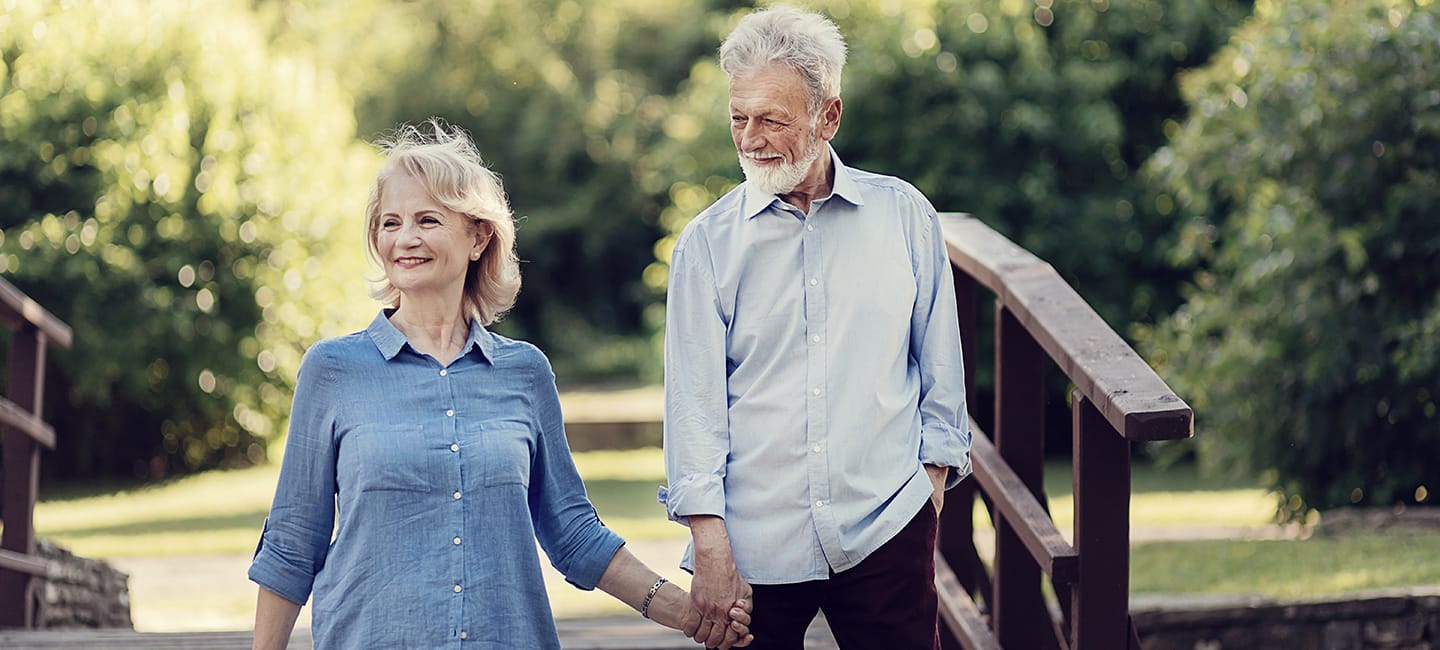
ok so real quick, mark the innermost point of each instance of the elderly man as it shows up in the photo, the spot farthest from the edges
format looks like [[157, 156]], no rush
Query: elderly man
[[815, 404]]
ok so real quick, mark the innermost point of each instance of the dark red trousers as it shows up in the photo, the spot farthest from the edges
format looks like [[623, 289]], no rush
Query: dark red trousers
[[886, 602]]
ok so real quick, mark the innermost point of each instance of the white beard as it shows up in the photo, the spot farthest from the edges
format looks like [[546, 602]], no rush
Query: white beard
[[781, 178]]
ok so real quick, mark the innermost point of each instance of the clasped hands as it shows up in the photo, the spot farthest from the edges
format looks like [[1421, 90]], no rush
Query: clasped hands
[[719, 613]]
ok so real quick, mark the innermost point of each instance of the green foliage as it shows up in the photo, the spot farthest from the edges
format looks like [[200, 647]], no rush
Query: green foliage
[[561, 96], [189, 202], [1310, 171], [1034, 119]]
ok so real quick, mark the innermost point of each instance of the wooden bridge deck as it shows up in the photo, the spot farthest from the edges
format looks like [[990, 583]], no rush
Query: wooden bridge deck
[[607, 633]]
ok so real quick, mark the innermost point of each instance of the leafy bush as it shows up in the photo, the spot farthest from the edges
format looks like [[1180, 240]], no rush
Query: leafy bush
[[191, 204], [1310, 173]]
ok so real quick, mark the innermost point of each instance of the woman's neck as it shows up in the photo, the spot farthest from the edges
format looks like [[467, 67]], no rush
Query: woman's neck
[[432, 329]]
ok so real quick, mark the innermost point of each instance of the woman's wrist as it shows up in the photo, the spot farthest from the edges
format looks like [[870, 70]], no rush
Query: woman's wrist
[[669, 606]]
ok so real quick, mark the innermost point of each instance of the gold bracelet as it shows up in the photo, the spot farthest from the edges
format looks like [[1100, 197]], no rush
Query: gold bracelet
[[654, 589]]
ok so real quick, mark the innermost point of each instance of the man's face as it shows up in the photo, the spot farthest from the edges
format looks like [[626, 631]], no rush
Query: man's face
[[773, 131]]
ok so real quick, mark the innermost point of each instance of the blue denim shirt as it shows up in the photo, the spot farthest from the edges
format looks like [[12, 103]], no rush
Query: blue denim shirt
[[442, 478], [812, 369]]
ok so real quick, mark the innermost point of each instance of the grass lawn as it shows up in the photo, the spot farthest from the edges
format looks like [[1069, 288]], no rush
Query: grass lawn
[[221, 513]]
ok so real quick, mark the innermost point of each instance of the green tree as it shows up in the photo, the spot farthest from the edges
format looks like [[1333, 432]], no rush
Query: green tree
[[190, 202], [1309, 172], [561, 96]]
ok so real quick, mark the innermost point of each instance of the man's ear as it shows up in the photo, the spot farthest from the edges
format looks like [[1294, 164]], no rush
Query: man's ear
[[830, 118]]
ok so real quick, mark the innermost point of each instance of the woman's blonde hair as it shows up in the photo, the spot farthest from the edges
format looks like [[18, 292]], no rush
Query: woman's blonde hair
[[446, 161]]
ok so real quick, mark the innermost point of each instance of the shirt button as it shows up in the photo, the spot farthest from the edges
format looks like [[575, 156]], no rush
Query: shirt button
[[815, 449], [450, 413], [810, 227], [814, 281], [818, 504], [458, 589], [463, 635], [456, 541], [815, 392], [457, 494], [454, 447], [815, 339], [444, 372]]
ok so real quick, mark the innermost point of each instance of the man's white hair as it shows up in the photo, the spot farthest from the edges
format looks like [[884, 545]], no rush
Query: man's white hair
[[806, 42]]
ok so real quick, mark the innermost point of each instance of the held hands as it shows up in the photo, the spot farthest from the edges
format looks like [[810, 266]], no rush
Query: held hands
[[722, 603], [717, 591]]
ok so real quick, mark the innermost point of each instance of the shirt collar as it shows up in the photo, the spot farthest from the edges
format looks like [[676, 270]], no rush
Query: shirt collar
[[844, 187], [389, 340]]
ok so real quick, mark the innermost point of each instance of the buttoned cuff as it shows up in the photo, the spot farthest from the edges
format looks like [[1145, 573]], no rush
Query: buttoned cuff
[[271, 571], [694, 494], [946, 446]]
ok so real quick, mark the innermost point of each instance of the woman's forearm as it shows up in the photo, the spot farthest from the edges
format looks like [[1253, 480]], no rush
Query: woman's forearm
[[274, 621], [629, 580]]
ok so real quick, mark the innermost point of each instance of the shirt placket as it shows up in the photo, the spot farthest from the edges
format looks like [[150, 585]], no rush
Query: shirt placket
[[817, 433], [456, 521]]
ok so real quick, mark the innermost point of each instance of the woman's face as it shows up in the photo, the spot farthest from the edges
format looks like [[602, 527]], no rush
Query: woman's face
[[424, 246]]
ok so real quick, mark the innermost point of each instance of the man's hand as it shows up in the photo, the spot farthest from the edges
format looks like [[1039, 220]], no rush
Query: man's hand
[[937, 474], [717, 586]]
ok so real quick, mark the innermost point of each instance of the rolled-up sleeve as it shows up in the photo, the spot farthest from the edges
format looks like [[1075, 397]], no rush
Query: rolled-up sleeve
[[935, 349], [296, 535], [579, 546], [696, 435]]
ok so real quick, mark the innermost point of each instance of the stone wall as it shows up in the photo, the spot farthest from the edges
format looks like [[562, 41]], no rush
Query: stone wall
[[79, 592], [1384, 620]]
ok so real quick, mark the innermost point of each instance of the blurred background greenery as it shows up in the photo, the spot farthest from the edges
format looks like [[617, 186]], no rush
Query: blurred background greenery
[[1247, 192]]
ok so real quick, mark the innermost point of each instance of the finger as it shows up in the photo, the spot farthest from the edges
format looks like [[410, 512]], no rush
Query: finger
[[740, 616], [749, 638], [702, 632], [745, 604], [716, 637]]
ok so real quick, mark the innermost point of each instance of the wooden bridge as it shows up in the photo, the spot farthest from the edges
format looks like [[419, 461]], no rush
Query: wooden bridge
[[1039, 322]]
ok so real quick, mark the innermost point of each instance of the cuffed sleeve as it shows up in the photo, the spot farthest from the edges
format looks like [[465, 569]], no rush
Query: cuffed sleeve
[[696, 432], [579, 546], [935, 349], [296, 535]]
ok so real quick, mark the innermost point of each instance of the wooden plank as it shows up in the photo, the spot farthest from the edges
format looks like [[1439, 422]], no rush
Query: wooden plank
[[1106, 370], [1018, 435], [958, 611], [18, 309], [627, 632], [12, 415], [1056, 557], [1100, 602], [27, 564], [20, 476]]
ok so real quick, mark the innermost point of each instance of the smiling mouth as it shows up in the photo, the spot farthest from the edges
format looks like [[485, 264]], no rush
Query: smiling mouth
[[764, 159], [410, 262]]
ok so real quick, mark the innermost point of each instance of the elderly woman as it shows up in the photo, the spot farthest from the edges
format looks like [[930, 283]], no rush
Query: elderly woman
[[440, 446]]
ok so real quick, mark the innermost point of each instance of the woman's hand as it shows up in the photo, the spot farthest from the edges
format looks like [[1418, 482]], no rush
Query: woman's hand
[[737, 631]]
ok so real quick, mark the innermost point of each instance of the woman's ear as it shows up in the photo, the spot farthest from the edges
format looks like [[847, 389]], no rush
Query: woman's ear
[[483, 232]]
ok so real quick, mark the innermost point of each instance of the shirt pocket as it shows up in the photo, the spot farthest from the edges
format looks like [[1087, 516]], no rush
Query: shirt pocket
[[390, 458], [508, 449]]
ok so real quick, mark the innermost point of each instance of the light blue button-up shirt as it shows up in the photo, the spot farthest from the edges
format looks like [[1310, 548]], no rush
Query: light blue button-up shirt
[[443, 476], [812, 369]]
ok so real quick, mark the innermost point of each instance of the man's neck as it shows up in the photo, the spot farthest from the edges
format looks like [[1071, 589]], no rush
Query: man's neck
[[818, 184]]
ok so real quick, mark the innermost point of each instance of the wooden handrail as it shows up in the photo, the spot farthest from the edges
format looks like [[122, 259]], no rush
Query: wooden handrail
[[11, 415], [1104, 368], [1117, 399], [16, 308], [1056, 557]]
